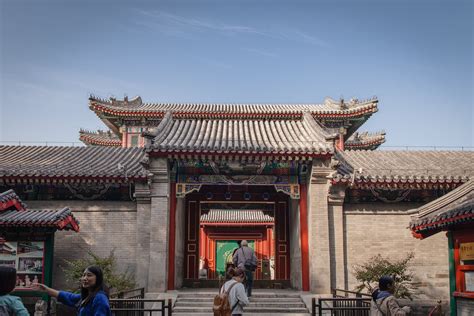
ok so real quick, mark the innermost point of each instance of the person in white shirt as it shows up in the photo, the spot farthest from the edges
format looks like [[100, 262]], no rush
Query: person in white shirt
[[237, 296]]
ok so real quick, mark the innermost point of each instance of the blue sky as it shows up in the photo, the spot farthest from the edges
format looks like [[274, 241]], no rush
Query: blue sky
[[415, 56]]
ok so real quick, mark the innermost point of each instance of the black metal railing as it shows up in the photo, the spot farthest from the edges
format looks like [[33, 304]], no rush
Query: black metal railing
[[140, 307], [346, 293], [341, 304], [135, 293]]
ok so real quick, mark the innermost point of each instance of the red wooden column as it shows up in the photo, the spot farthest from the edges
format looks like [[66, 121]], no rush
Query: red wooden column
[[124, 138], [304, 237], [172, 236], [202, 243]]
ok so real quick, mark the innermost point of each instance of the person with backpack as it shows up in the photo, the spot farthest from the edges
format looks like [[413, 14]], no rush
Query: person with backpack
[[10, 305], [93, 299], [231, 298], [384, 303], [245, 258]]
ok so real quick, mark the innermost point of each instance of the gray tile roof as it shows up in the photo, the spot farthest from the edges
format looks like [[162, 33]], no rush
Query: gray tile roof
[[9, 198], [277, 137], [101, 138], [59, 219], [71, 163], [404, 167], [456, 207], [236, 216], [365, 141], [328, 108]]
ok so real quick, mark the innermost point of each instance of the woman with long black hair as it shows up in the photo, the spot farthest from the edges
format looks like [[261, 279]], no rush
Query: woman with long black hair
[[93, 300], [10, 305]]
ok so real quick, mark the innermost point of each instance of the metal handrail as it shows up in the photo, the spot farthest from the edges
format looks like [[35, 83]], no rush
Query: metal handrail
[[341, 306], [136, 307], [123, 294], [346, 292]]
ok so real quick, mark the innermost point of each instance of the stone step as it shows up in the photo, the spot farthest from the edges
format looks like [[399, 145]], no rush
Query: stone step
[[251, 305], [245, 313], [254, 295], [253, 299], [191, 310]]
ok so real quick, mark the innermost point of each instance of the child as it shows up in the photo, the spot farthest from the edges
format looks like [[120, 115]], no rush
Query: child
[[10, 305]]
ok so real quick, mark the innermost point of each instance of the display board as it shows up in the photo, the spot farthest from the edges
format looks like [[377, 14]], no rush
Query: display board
[[27, 257], [466, 251]]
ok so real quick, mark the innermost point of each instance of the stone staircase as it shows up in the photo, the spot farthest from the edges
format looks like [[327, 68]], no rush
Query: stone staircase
[[262, 303]]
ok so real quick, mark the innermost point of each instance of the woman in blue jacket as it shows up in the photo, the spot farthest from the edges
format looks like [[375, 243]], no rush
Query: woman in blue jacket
[[93, 300]]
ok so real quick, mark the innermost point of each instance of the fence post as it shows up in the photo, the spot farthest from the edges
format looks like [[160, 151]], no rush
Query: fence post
[[170, 307], [313, 306]]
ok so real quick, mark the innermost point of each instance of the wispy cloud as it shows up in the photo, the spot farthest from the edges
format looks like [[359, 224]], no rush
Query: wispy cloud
[[260, 52], [177, 25], [215, 63]]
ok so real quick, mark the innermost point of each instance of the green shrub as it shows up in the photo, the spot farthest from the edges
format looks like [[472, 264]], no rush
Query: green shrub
[[369, 273], [116, 282]]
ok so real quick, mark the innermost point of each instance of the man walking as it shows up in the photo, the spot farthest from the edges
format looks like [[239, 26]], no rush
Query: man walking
[[245, 258]]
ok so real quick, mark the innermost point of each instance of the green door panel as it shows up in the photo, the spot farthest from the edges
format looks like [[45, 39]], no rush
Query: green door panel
[[224, 250]]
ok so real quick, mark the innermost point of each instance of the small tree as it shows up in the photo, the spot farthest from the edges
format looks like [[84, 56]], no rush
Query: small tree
[[116, 282], [369, 273]]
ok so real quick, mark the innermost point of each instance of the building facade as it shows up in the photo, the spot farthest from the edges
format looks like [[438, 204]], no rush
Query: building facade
[[172, 187]]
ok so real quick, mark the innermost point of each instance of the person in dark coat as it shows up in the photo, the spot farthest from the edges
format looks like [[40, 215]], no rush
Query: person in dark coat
[[383, 302], [244, 255]]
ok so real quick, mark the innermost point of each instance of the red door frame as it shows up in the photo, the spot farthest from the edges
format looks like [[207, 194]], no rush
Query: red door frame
[[462, 236], [304, 237]]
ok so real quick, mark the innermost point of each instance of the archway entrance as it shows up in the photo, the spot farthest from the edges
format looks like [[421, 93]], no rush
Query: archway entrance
[[218, 216]]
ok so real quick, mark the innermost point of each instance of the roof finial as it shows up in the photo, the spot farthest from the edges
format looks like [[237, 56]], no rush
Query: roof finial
[[341, 103]]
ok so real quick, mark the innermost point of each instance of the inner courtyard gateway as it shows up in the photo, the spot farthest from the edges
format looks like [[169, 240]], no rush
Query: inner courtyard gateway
[[218, 216], [220, 202]]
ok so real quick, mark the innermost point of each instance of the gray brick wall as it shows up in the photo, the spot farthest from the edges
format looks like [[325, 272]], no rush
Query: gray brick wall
[[104, 226], [380, 228]]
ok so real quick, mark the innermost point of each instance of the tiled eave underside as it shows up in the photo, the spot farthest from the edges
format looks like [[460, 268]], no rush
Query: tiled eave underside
[[416, 184], [10, 198], [440, 224], [364, 144], [354, 113], [237, 156], [57, 219], [30, 179], [98, 140], [236, 217]]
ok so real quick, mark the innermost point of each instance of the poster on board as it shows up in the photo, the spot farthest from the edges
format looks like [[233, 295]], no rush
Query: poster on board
[[27, 257]]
